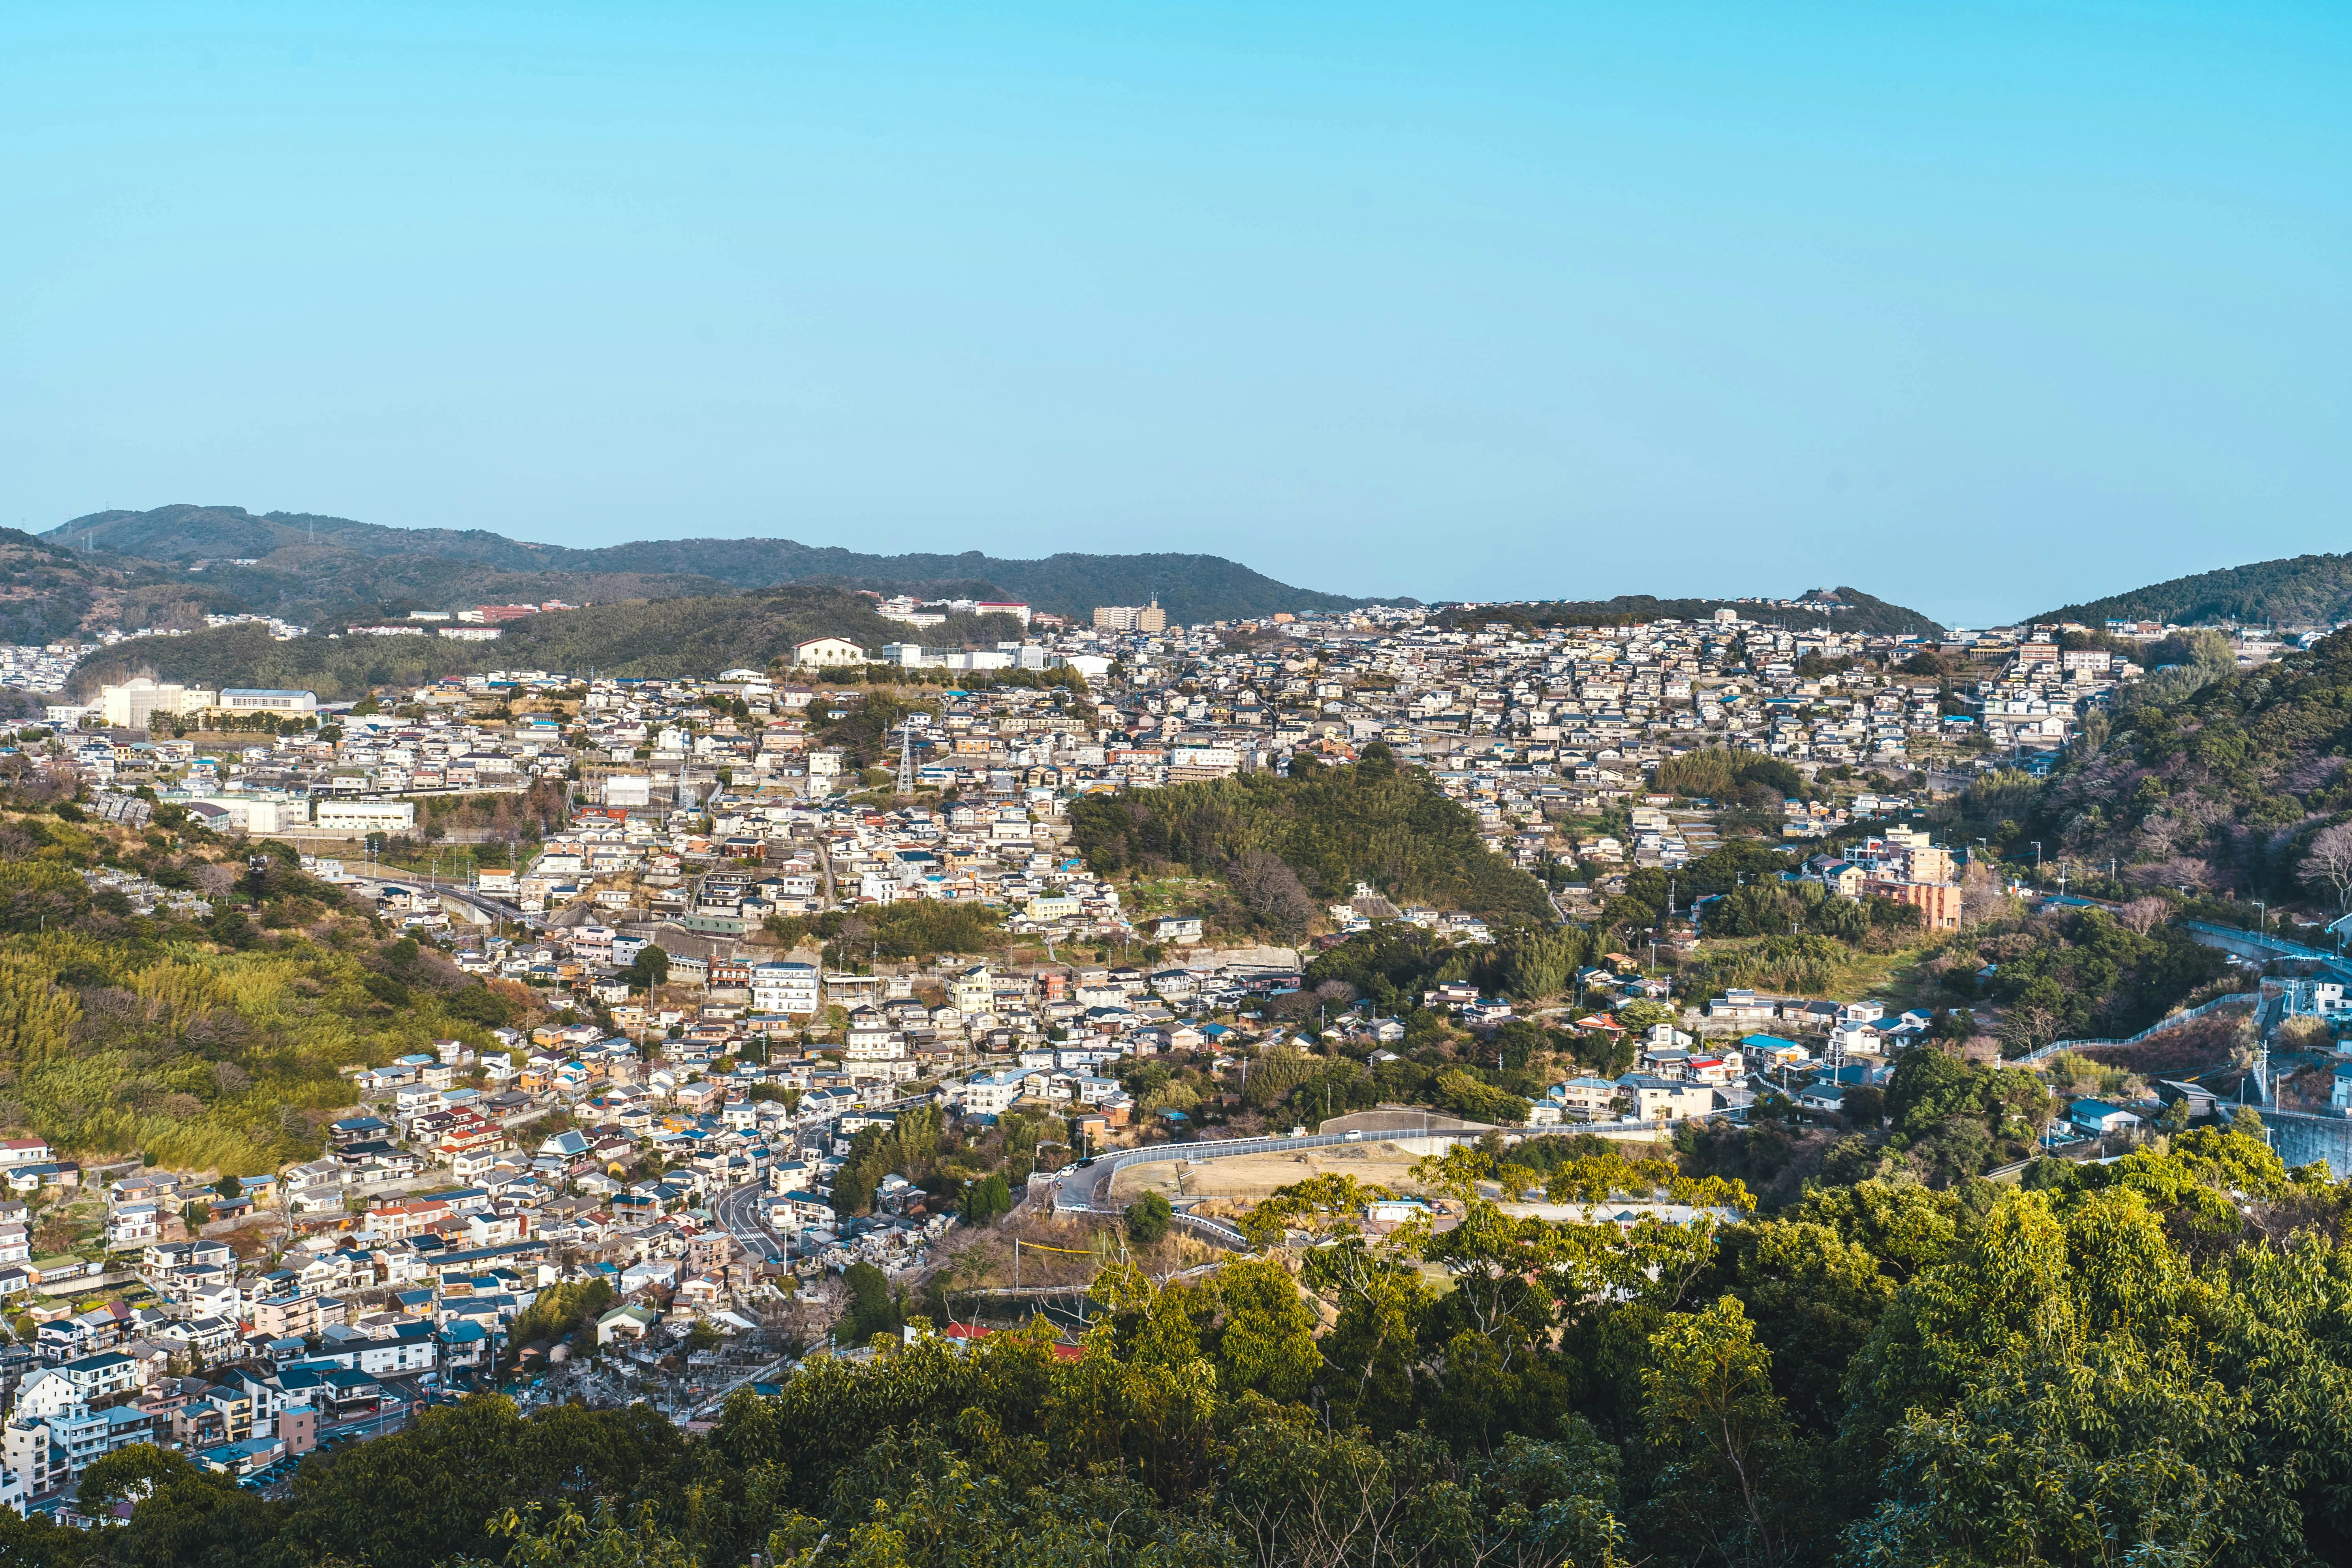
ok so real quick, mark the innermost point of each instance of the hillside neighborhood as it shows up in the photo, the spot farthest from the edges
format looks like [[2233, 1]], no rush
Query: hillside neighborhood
[[679, 875]]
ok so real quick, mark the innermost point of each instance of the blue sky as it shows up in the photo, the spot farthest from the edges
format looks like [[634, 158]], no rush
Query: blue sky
[[1980, 312]]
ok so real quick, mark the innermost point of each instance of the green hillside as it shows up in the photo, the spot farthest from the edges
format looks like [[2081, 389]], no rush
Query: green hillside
[[328, 589], [313, 569], [211, 1042], [2218, 784], [665, 638], [1864, 612], [46, 592], [2301, 591], [1371, 822]]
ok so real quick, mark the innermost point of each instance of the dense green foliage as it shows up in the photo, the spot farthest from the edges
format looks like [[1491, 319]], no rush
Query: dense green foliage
[[1719, 774], [214, 1043], [1774, 908], [1652, 893], [1371, 821], [2085, 975], [906, 1146], [2223, 790], [2178, 667], [1392, 964], [917, 928], [2300, 590], [1864, 613], [2139, 1363], [1948, 1120], [873, 1309], [986, 1200], [561, 1309], [1147, 1219]]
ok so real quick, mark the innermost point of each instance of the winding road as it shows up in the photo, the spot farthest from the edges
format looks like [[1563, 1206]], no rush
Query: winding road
[[737, 1211], [737, 1208]]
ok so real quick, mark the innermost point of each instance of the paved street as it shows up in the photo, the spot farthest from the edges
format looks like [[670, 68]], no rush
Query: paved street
[[737, 1209]]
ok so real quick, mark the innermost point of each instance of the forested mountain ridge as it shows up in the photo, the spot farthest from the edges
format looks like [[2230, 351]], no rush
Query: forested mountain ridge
[[311, 567], [1864, 613], [2299, 590]]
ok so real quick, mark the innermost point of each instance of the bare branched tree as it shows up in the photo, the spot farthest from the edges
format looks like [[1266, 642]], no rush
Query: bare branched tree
[[1272, 890], [2328, 864]]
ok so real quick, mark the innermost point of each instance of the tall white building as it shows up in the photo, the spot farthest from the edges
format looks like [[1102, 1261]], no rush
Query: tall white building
[[51, 1435], [132, 704], [785, 988]]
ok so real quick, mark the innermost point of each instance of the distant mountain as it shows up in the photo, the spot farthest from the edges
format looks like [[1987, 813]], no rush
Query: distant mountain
[[1861, 611], [313, 568], [2301, 591]]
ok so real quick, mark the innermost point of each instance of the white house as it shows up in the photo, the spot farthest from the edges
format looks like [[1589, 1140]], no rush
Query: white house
[[992, 1093]]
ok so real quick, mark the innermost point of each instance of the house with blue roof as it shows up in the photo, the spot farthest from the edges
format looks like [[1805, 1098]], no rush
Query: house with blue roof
[[243, 1458], [464, 1343], [2097, 1118]]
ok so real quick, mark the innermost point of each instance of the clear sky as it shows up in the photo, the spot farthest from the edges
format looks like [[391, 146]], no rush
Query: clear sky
[[1978, 307]]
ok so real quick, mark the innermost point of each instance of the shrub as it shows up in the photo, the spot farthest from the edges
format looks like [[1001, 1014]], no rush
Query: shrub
[[1147, 1219]]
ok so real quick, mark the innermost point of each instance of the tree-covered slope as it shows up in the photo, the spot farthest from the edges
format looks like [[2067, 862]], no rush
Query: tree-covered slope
[[204, 1038], [1370, 822], [1191, 588], [1863, 612], [311, 567], [664, 637], [2301, 591], [330, 589], [2222, 789], [48, 592]]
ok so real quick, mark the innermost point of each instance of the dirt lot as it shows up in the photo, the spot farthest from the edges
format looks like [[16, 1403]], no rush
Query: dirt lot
[[1245, 1178]]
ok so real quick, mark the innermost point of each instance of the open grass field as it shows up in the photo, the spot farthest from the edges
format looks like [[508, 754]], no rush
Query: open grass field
[[1887, 976]]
